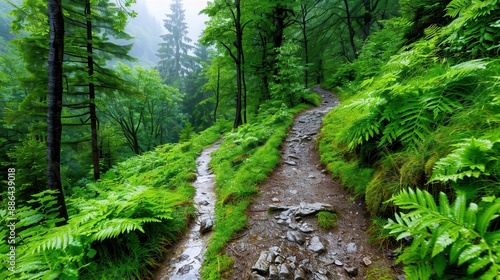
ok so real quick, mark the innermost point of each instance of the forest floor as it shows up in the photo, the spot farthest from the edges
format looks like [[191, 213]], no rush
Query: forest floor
[[283, 239]]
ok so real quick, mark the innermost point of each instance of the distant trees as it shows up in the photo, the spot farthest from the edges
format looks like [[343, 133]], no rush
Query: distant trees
[[147, 112], [173, 52]]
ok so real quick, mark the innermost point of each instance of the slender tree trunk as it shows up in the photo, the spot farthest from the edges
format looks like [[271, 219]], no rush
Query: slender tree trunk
[[55, 93], [303, 7], [217, 93], [239, 53], [351, 29], [93, 115]]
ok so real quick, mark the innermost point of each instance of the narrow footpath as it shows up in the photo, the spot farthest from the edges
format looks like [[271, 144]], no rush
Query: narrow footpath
[[283, 240], [186, 257]]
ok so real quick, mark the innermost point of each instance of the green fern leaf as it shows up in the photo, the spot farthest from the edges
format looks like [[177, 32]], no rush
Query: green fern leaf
[[469, 252], [442, 239], [486, 217]]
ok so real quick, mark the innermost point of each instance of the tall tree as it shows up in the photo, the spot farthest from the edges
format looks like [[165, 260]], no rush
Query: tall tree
[[173, 52], [221, 32], [55, 94]]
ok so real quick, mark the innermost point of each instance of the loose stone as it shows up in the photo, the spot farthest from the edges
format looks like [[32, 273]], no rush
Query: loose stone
[[316, 246], [262, 266], [273, 272], [352, 248], [284, 272], [352, 271]]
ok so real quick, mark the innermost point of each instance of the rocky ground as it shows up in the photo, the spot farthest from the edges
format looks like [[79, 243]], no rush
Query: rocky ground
[[283, 240]]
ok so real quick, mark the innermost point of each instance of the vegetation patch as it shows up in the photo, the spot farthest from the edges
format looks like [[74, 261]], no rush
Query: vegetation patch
[[118, 227], [327, 220]]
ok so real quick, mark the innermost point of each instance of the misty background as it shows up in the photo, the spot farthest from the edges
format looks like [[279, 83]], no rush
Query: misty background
[[148, 26]]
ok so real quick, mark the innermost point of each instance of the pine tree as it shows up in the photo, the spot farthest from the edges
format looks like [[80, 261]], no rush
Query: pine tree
[[173, 52]]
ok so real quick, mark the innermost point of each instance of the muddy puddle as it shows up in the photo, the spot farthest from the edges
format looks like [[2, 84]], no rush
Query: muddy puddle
[[186, 257]]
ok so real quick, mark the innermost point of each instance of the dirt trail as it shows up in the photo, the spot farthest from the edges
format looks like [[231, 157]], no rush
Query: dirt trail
[[291, 246]]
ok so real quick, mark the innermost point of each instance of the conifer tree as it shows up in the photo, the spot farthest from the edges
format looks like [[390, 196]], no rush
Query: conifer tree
[[173, 52]]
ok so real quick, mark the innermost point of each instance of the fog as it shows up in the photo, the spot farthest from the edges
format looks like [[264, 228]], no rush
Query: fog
[[195, 22]]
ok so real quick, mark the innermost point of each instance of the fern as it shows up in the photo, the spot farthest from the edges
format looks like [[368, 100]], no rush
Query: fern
[[457, 235], [472, 158]]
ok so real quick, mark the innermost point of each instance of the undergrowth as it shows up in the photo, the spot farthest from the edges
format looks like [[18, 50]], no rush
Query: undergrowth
[[424, 127], [119, 227]]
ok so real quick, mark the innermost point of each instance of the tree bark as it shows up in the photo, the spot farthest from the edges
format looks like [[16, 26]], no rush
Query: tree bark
[[93, 116], [55, 93], [239, 54]]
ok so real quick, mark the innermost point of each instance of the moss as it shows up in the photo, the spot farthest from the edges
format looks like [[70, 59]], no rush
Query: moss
[[380, 270]]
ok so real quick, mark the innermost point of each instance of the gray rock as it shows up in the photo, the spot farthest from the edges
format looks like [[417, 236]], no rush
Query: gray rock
[[279, 259], [206, 225], [274, 273], [338, 263], [290, 162], [328, 260], [271, 256], [352, 271], [185, 269], [261, 266], [352, 248], [320, 275], [306, 228], [277, 207], [204, 203], [295, 236], [300, 273], [367, 261], [306, 209], [316, 245], [284, 272], [256, 276], [401, 277]]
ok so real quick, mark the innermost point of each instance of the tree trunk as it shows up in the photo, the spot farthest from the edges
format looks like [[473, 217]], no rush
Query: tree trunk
[[93, 116], [55, 93], [217, 92], [239, 53], [351, 30], [303, 7]]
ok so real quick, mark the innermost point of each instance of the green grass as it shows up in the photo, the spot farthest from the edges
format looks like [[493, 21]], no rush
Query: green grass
[[327, 220]]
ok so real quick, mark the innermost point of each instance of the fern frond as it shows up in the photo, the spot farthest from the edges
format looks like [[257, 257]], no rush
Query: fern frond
[[460, 231], [456, 7]]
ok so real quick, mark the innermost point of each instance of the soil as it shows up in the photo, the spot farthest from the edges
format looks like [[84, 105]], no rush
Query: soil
[[300, 178]]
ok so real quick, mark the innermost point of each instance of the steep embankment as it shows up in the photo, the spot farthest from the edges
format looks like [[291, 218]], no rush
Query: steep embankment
[[283, 236]]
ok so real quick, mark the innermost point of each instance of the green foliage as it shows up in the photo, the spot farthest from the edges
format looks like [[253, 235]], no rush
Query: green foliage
[[326, 220], [474, 29], [118, 226], [446, 236], [287, 85], [471, 158]]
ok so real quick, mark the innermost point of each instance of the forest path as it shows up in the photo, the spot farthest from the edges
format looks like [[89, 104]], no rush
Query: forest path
[[186, 257], [283, 239]]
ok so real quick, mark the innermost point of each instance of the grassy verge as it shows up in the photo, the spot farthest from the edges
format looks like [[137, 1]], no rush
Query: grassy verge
[[243, 161]]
